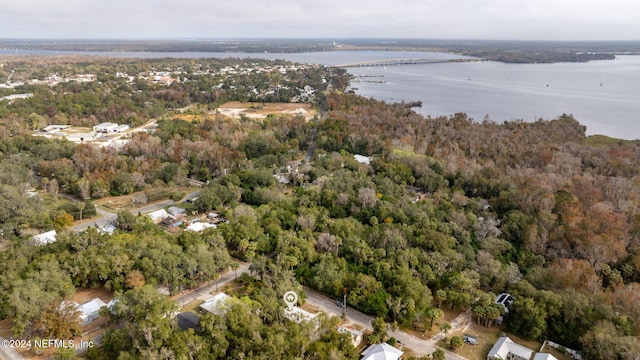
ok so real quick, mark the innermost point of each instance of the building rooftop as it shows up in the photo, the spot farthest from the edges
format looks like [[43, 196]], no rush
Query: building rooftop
[[382, 351]]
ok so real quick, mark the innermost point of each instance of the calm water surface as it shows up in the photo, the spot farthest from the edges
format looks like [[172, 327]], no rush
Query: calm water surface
[[603, 95]]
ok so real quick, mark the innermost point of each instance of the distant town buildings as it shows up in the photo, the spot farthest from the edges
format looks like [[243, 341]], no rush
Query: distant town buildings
[[11, 98]]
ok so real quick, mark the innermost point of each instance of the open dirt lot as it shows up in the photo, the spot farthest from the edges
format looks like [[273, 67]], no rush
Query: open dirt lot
[[261, 111]]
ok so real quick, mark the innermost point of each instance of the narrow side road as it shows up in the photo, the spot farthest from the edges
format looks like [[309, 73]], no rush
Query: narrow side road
[[421, 347]]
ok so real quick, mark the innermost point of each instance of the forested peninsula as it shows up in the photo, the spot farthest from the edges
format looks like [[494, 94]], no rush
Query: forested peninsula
[[490, 50], [436, 214]]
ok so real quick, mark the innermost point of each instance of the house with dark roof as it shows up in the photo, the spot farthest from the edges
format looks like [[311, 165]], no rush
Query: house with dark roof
[[188, 320]]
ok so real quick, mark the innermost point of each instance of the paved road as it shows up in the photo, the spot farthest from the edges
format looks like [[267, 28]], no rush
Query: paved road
[[204, 292], [8, 353], [109, 217], [421, 347], [201, 293]]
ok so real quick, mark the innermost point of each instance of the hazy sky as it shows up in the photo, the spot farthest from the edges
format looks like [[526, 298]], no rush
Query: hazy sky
[[450, 19]]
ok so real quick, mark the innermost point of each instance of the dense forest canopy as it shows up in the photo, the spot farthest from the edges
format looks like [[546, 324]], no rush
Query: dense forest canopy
[[448, 213]]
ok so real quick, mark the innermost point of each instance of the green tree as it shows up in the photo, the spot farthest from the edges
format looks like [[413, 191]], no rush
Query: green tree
[[444, 329], [125, 220], [379, 334], [80, 205], [235, 266], [433, 314], [455, 342], [527, 318]]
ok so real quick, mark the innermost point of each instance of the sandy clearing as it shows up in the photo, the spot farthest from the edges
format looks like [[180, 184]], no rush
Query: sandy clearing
[[261, 111]]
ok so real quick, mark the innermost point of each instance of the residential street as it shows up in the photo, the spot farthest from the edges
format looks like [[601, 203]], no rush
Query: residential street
[[109, 217], [204, 292], [420, 347]]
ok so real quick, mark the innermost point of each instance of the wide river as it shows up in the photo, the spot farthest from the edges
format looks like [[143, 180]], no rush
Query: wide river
[[603, 95]]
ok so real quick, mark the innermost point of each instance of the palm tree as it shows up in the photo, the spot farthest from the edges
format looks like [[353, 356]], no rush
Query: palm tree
[[234, 266], [80, 205], [433, 314], [444, 328], [216, 277]]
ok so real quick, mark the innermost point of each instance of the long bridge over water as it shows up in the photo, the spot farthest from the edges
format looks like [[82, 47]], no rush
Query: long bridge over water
[[391, 62]]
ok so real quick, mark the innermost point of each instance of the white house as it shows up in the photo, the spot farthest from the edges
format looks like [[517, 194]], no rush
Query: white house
[[158, 215], [382, 351], [106, 127], [200, 226], [216, 305], [10, 98], [90, 310], [106, 228], [506, 349], [45, 238], [362, 159], [80, 137]]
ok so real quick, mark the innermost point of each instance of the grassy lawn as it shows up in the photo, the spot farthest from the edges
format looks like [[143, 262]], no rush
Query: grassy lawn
[[125, 202], [601, 140], [49, 202], [192, 306]]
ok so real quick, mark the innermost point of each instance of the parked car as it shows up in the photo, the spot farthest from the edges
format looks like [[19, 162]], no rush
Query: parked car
[[469, 339]]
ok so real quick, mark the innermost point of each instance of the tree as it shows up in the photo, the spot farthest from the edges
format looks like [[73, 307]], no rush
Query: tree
[[455, 342], [147, 322], [60, 320], [81, 205], [62, 220], [444, 329], [235, 266], [84, 188], [379, 334], [439, 354], [216, 277], [527, 319], [64, 353], [125, 220], [53, 188], [135, 279], [440, 296], [433, 314]]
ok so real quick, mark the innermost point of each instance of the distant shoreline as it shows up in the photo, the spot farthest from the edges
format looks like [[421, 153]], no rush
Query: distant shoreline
[[524, 52]]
